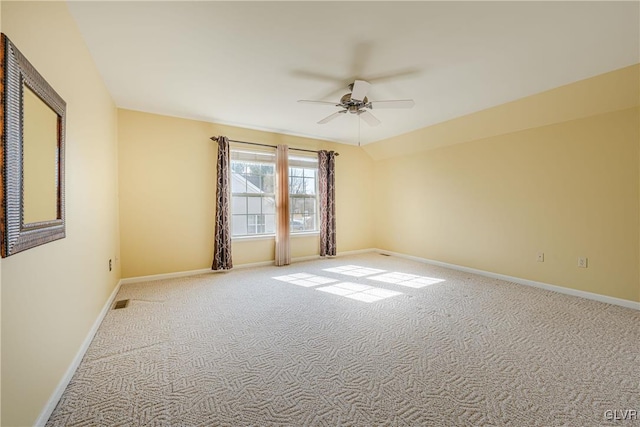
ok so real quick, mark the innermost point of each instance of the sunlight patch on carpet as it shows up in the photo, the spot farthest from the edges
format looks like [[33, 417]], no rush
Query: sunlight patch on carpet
[[305, 280], [359, 292], [354, 270], [404, 279]]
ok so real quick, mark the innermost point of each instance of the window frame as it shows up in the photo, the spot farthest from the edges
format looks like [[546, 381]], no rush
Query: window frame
[[261, 158], [304, 162], [239, 155]]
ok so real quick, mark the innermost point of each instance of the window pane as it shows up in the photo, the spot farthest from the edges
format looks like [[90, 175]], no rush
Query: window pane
[[309, 206], [297, 206], [269, 224], [239, 205], [296, 225], [252, 227], [296, 172], [310, 223], [258, 181], [237, 167], [255, 204], [238, 225], [238, 183], [253, 183], [260, 224], [268, 205], [267, 184], [310, 173], [296, 185], [310, 186]]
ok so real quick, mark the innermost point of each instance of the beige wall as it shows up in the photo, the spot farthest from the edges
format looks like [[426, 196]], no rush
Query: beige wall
[[167, 189], [555, 172], [568, 190], [613, 91], [52, 294]]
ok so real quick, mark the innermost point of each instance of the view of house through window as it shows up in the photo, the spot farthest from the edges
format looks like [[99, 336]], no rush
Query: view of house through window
[[253, 203]]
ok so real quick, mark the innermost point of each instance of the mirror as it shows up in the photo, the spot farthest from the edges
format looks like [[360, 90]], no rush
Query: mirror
[[33, 122], [40, 160]]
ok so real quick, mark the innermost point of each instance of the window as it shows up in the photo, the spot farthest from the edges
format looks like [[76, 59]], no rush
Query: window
[[303, 193], [253, 203]]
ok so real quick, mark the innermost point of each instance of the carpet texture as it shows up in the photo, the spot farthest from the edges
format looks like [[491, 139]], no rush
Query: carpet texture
[[354, 341]]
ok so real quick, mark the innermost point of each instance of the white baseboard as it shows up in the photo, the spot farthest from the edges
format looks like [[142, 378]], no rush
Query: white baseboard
[[164, 276], [66, 379], [358, 252], [273, 263], [568, 291]]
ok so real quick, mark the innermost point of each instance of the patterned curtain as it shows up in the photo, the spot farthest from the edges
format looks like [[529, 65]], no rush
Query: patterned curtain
[[327, 193], [222, 238], [283, 251]]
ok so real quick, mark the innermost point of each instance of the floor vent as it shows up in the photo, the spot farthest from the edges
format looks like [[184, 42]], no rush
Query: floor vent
[[123, 303], [385, 254]]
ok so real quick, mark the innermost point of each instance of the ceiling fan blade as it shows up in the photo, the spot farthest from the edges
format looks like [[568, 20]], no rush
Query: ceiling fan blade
[[369, 118], [360, 58], [305, 101], [395, 75], [400, 103], [317, 76], [360, 89], [331, 117]]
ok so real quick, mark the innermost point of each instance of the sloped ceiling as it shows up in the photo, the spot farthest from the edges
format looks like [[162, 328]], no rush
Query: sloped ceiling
[[247, 63]]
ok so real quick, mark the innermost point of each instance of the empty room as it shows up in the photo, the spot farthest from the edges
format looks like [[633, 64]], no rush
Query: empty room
[[320, 213]]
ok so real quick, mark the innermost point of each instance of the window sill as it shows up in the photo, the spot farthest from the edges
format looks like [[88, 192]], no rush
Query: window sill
[[305, 234], [258, 237], [273, 236]]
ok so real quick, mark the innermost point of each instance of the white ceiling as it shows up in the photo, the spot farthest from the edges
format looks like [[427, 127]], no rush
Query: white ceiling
[[247, 63]]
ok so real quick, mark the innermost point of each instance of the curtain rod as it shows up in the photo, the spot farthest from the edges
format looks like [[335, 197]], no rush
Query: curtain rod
[[215, 138]]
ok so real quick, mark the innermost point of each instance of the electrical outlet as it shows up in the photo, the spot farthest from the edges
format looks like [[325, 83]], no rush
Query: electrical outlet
[[540, 256], [110, 265], [582, 262]]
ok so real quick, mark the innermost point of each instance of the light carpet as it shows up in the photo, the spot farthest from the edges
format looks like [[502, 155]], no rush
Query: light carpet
[[354, 341]]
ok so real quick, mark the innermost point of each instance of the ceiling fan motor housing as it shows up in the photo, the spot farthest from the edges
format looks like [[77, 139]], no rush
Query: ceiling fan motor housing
[[353, 106]]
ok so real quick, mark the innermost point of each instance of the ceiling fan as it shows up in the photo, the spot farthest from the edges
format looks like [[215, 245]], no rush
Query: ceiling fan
[[357, 102]]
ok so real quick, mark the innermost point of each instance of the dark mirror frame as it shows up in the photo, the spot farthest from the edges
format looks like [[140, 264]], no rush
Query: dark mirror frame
[[16, 73]]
